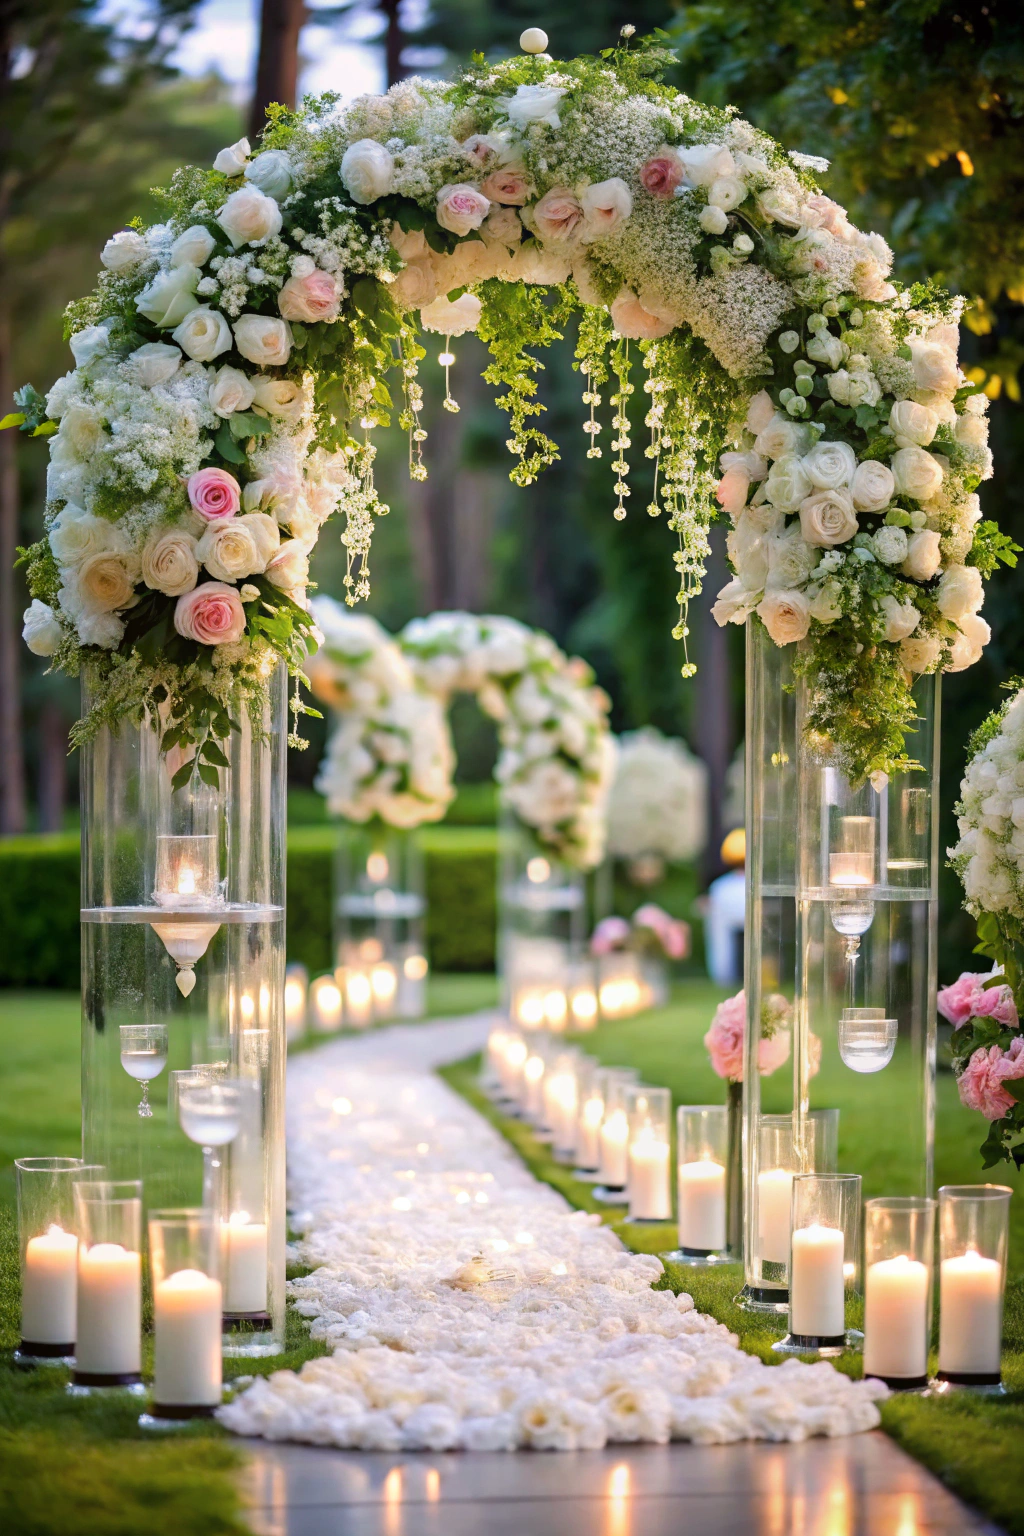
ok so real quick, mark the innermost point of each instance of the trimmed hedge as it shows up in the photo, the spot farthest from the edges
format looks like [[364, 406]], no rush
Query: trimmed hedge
[[39, 902]]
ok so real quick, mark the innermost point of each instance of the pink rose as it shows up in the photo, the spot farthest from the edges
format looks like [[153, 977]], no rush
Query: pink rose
[[661, 174], [968, 997], [508, 185], [611, 933], [557, 214], [820, 212], [724, 1040], [214, 494], [461, 208], [731, 494], [996, 1003], [311, 298], [981, 1083], [773, 1051], [633, 319], [672, 934], [211, 613]]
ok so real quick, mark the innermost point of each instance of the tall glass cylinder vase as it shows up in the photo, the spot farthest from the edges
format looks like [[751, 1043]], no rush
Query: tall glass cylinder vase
[[379, 923], [841, 921], [183, 979], [541, 923]]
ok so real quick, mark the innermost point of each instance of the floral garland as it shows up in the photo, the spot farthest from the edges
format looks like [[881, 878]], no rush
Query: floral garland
[[390, 754], [557, 754], [658, 800], [231, 368], [650, 931]]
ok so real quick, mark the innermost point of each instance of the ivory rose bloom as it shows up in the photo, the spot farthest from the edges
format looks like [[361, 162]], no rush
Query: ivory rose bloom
[[631, 319], [791, 559], [662, 173], [960, 591], [228, 550], [170, 296], [231, 161], [169, 563], [830, 465], [211, 614], [230, 391], [88, 344], [714, 220], [204, 334], [901, 619], [263, 340], [916, 473], [827, 518], [214, 494], [872, 486], [76, 534], [557, 215], [912, 425], [923, 555], [124, 251], [410, 244], [452, 319], [278, 397], [367, 170], [969, 643], [605, 206], [271, 171], [509, 185], [533, 104], [249, 217], [154, 363], [536, 263], [289, 567], [781, 435], [42, 632], [727, 192], [104, 583], [735, 603], [415, 285], [503, 225], [935, 367], [785, 615], [704, 163], [193, 248], [264, 531], [788, 483], [316, 296], [461, 208], [920, 653]]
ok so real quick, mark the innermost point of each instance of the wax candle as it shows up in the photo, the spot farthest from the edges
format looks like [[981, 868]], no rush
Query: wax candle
[[48, 1297], [649, 1195], [817, 1296], [384, 985], [702, 1206], [896, 1318], [244, 1263], [588, 1136], [187, 1337], [970, 1315], [615, 1150], [774, 1199], [109, 1311], [358, 999], [533, 1087]]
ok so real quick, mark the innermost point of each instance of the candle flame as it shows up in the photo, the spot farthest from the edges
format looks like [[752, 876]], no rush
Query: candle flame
[[186, 880]]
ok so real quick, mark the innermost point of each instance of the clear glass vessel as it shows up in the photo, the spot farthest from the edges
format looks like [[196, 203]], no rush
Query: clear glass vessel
[[649, 1184], [702, 1184], [183, 937], [108, 1344], [842, 895], [824, 1261], [974, 1229], [48, 1249], [899, 1259], [541, 923], [185, 1270], [380, 923]]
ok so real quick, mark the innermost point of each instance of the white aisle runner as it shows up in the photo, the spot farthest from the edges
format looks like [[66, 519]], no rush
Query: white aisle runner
[[398, 1186]]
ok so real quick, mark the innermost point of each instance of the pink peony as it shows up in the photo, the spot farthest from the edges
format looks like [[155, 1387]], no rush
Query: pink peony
[[724, 1040], [211, 613], [996, 1003], [314, 297], [661, 175], [557, 214], [214, 494], [509, 186], [981, 1083], [672, 934], [968, 997], [611, 933], [731, 494], [773, 1051]]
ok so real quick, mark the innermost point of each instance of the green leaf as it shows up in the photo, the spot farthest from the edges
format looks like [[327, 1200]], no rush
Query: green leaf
[[12, 419], [226, 446], [247, 424], [366, 296], [208, 775], [213, 754], [905, 353], [183, 775], [47, 429]]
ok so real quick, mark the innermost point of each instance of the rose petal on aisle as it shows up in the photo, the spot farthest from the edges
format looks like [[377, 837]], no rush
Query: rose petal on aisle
[[469, 1307]]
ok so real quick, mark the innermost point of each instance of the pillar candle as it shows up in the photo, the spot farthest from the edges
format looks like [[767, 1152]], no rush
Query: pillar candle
[[702, 1205], [896, 1318], [817, 1294], [109, 1311], [615, 1150], [774, 1199], [588, 1140], [244, 1263], [970, 1315], [358, 999], [49, 1288], [649, 1196], [187, 1327]]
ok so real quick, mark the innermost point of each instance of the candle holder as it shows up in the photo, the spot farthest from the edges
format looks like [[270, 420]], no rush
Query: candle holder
[[613, 1138], [560, 1104], [48, 1248], [582, 996], [899, 1248], [532, 1097], [413, 970], [867, 1039], [326, 1006], [379, 917], [785, 1147], [620, 990], [357, 989], [296, 1000], [187, 880], [187, 1306], [210, 1114], [589, 1114], [108, 1347], [702, 1169], [824, 1263], [512, 1063], [973, 1237], [649, 1183], [144, 1057]]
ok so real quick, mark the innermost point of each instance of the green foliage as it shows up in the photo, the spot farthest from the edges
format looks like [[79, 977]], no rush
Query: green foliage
[[515, 315], [991, 547]]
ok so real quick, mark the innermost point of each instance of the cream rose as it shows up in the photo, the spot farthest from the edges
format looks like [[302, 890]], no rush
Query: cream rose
[[605, 206], [921, 653], [536, 263], [631, 319], [231, 391], [211, 614], [830, 465], [410, 244], [827, 518], [715, 221], [75, 535], [104, 583], [970, 642], [788, 483], [88, 344], [42, 632], [315, 296], [960, 590], [154, 363], [872, 486], [781, 435], [263, 340], [271, 171], [827, 604], [509, 184], [912, 425], [289, 567], [265, 532], [901, 619], [890, 545], [790, 559], [415, 285], [228, 550], [282, 398], [916, 473], [169, 562], [923, 555], [231, 161], [760, 412], [367, 170], [193, 248], [734, 604], [170, 296], [935, 367], [557, 215], [461, 208], [705, 163], [727, 192], [122, 252], [452, 319], [785, 615], [249, 217], [204, 334], [781, 207]]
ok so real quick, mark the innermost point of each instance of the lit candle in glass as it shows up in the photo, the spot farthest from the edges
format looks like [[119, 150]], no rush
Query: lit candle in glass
[[358, 998], [973, 1237], [774, 1195], [325, 1004], [187, 1314], [108, 1347], [244, 1263], [702, 1151], [650, 1194], [48, 1243], [899, 1243], [823, 1260], [384, 985], [187, 872], [852, 859]]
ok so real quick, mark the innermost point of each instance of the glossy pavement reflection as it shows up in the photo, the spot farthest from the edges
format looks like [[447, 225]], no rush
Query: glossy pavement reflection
[[861, 1485]]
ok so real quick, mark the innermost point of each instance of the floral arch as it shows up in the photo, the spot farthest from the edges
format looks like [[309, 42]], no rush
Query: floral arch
[[235, 360], [391, 754]]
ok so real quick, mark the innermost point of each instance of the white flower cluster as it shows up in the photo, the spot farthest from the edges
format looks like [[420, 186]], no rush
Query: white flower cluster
[[431, 1351], [658, 801], [989, 856], [390, 753], [557, 754]]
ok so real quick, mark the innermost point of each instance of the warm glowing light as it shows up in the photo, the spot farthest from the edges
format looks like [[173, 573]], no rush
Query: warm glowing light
[[559, 1269], [537, 871], [524, 1238], [246, 1007], [433, 1485], [294, 996], [342, 1106], [584, 1007], [377, 868], [533, 1071], [401, 1203], [618, 1481], [186, 880], [423, 1147], [555, 1008], [531, 1011], [415, 967], [392, 1486], [371, 950], [446, 359], [500, 1245], [384, 983], [359, 990], [481, 1198], [325, 1002]]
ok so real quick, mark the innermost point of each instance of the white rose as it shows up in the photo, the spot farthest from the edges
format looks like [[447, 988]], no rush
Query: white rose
[[81, 428], [231, 390], [98, 628], [912, 425], [715, 221], [916, 473], [231, 161], [547, 265], [901, 619], [970, 642], [781, 206], [790, 559], [605, 205], [75, 535], [249, 216], [921, 653], [826, 348], [827, 518], [788, 483], [228, 550], [104, 583], [830, 465], [154, 363], [502, 224], [872, 486], [960, 590], [264, 340], [760, 412], [204, 334], [415, 285], [935, 366], [367, 170], [727, 192], [452, 319], [89, 344], [169, 562], [785, 615], [271, 171], [827, 606], [533, 104], [169, 297], [265, 533], [289, 567], [193, 248], [705, 163], [279, 397], [122, 252], [735, 603], [42, 631], [747, 549], [923, 555], [781, 436], [890, 546]]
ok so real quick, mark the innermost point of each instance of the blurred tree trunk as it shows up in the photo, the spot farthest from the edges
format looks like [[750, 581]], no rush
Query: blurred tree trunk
[[277, 68], [394, 41], [12, 753], [712, 715], [52, 780]]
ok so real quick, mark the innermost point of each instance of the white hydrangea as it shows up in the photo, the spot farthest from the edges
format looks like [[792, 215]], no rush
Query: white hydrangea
[[989, 856], [658, 801]]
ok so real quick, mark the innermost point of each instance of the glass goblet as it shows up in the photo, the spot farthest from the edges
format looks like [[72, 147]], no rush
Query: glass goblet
[[144, 1056], [210, 1114]]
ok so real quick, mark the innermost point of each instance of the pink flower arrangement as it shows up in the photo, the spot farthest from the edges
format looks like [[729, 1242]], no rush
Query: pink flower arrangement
[[316, 296], [510, 186], [968, 997], [461, 208], [214, 494], [724, 1040], [211, 613], [981, 1082], [661, 175], [671, 932], [731, 494], [557, 214], [610, 934]]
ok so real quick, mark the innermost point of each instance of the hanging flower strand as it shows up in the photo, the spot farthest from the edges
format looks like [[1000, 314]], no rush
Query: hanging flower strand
[[446, 359], [620, 422]]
